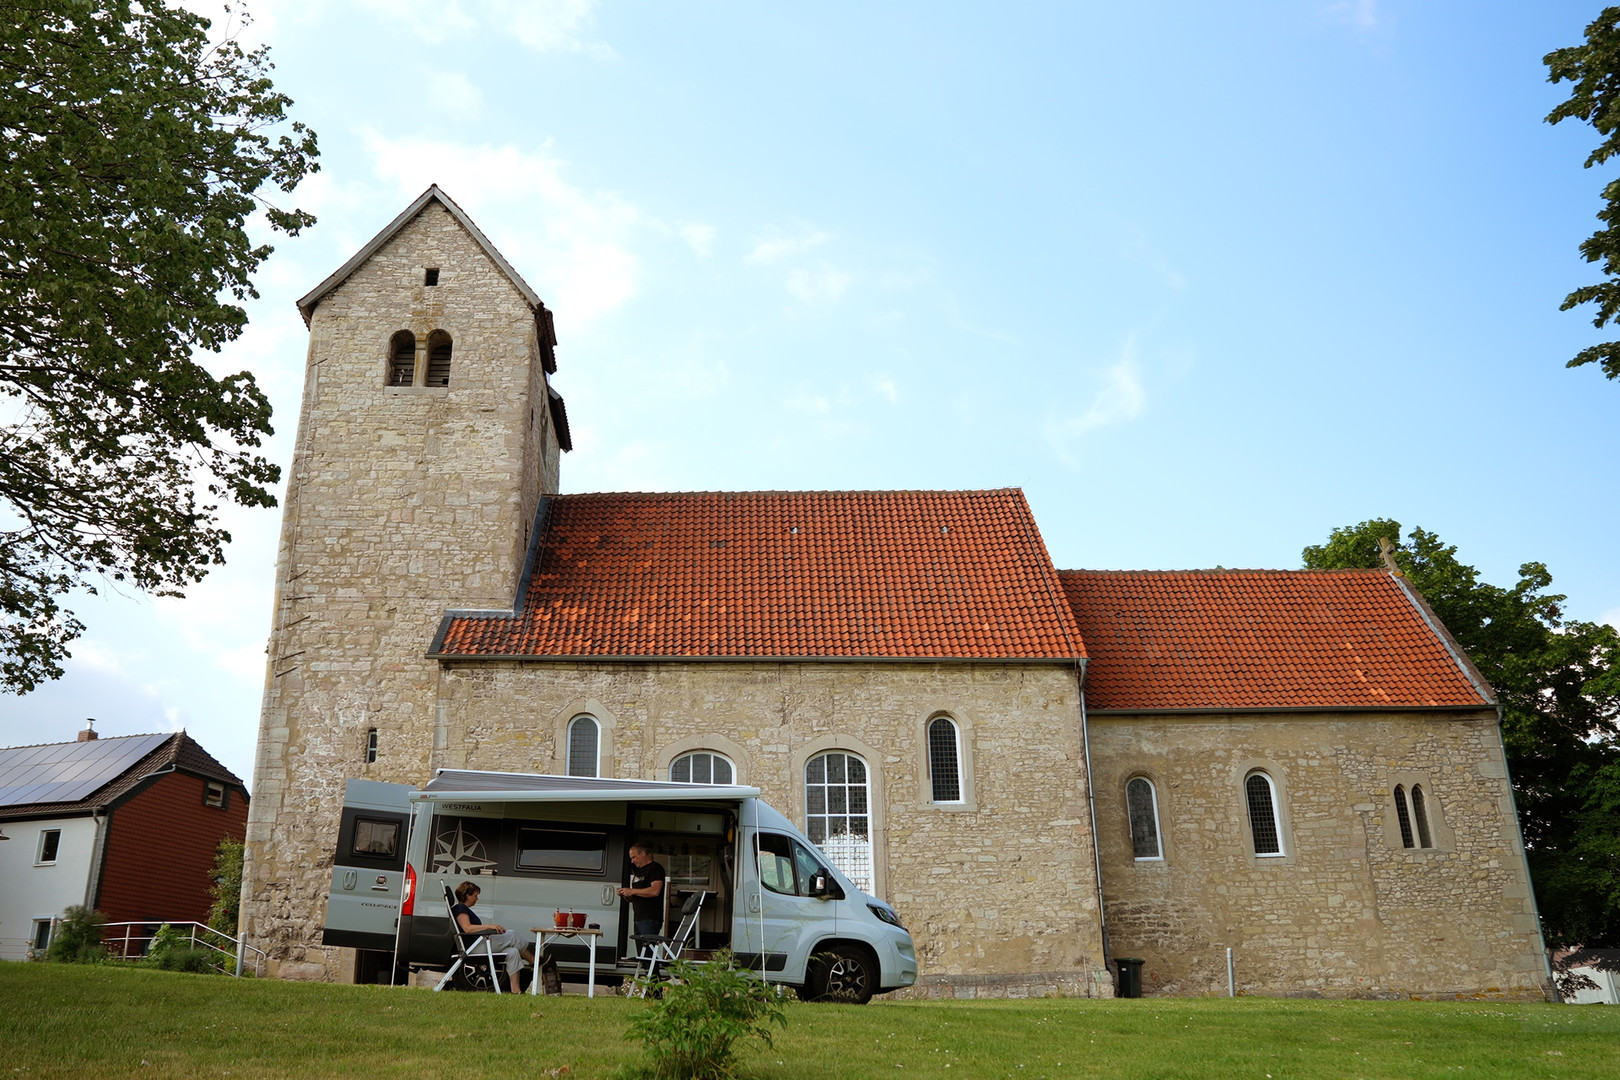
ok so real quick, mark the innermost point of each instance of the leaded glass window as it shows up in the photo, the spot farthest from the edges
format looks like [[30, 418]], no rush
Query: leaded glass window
[[701, 767], [1142, 803], [584, 736], [944, 760], [1263, 814], [837, 818]]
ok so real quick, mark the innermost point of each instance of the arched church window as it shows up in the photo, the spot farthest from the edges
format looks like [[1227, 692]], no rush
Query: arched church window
[[584, 741], [402, 359], [1403, 817], [701, 767], [1420, 816], [944, 760], [1262, 797], [1142, 803], [836, 814], [438, 367]]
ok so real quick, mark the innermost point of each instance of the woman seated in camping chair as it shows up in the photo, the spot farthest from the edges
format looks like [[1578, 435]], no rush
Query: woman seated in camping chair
[[502, 942]]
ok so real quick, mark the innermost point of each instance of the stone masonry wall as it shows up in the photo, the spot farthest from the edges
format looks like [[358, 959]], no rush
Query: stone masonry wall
[[999, 892], [1347, 911], [401, 502]]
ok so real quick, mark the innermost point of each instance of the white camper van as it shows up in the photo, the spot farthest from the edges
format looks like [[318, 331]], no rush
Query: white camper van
[[536, 845]]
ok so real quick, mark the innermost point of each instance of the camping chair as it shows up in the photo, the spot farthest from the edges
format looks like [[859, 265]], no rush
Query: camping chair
[[656, 950], [472, 957]]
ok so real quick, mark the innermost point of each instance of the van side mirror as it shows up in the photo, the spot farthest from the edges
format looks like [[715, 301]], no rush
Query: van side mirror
[[818, 887]]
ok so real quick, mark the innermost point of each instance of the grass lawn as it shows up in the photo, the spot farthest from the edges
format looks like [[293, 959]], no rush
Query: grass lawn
[[66, 1021]]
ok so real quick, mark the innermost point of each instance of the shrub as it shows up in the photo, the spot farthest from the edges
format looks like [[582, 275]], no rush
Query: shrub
[[78, 937], [692, 1032], [172, 950]]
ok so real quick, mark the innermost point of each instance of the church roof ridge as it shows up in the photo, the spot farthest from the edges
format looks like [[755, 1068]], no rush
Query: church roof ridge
[[307, 305]]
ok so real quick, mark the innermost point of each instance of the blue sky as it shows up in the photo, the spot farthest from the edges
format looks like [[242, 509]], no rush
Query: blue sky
[[1205, 280]]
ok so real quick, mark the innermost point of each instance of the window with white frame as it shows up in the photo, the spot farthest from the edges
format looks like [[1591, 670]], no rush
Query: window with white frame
[[945, 760], [584, 741], [701, 767], [1142, 804], [1263, 819], [49, 841], [836, 813], [42, 935]]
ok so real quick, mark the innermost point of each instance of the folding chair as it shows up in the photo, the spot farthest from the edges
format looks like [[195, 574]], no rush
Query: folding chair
[[470, 956], [656, 950]]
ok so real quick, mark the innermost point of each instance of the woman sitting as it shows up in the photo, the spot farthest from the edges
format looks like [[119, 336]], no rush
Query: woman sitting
[[502, 942]]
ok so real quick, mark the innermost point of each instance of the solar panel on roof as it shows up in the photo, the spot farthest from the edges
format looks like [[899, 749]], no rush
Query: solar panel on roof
[[68, 772]]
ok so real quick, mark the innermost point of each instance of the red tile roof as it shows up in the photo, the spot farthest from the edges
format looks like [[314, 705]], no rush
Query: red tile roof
[[1258, 639], [825, 574]]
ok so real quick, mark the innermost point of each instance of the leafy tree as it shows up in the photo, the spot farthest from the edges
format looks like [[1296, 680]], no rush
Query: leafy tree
[[223, 913], [1558, 680], [133, 154], [77, 939], [1594, 69], [694, 1028]]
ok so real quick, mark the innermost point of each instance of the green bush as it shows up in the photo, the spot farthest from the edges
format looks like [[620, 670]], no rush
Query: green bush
[[78, 937], [172, 950], [692, 1031]]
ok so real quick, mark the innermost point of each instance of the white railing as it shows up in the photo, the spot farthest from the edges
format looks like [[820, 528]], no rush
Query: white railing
[[136, 939]]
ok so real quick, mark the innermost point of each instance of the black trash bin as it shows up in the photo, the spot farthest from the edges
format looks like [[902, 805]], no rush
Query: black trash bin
[[1130, 976]]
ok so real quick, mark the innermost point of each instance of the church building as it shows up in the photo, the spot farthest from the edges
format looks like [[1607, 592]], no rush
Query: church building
[[1042, 770]]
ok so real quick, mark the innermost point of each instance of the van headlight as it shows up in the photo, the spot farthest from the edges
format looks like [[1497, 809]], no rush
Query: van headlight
[[886, 914]]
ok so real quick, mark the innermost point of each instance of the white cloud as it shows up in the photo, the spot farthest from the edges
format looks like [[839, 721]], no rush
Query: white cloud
[[778, 244], [96, 656], [884, 385], [700, 238], [574, 246], [1361, 14], [1118, 400], [1611, 617], [813, 286], [454, 93], [540, 25], [430, 20]]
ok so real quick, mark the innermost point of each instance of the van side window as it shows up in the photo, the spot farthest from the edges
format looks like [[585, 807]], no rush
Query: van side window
[[379, 838], [810, 868], [776, 863], [562, 849]]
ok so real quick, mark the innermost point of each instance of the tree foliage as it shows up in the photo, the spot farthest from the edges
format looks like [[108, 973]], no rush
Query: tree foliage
[[1594, 69], [225, 911], [1558, 681], [692, 1031], [77, 937], [134, 154]]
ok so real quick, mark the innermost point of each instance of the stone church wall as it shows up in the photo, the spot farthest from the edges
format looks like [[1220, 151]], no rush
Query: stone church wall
[[999, 891], [1347, 911], [401, 502]]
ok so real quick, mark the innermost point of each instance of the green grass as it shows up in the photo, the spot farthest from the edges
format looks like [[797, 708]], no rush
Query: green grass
[[65, 1021]]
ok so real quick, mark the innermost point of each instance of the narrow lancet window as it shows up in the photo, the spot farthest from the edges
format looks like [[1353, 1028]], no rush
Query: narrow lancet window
[[438, 368], [584, 739], [1143, 805], [1402, 817], [1420, 817], [944, 761], [1263, 814]]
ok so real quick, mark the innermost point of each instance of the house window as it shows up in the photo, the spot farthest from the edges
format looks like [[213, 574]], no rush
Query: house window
[[42, 935], [1142, 803], [214, 794], [944, 760], [49, 841], [836, 816], [1262, 795], [402, 359], [584, 737], [1420, 817], [371, 746], [701, 767], [438, 368]]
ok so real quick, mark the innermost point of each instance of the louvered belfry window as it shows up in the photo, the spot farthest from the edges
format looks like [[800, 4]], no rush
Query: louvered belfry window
[[438, 368], [1263, 814], [944, 761], [402, 359]]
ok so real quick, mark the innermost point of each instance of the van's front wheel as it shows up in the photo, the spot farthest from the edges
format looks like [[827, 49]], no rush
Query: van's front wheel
[[839, 973]]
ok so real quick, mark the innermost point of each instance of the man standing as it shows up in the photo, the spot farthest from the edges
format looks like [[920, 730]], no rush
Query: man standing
[[646, 891]]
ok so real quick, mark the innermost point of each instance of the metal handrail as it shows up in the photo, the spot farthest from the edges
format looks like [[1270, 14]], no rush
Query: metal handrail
[[137, 939]]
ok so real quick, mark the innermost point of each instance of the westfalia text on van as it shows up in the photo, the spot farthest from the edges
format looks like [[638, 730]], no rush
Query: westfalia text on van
[[535, 845]]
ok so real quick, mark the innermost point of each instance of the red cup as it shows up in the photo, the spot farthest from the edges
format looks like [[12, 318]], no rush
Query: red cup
[[579, 920], [562, 919]]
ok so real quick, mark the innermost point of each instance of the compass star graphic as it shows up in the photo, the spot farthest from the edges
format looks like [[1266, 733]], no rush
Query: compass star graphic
[[459, 852]]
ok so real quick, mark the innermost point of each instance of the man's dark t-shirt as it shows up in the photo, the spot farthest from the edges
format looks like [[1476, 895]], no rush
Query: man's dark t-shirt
[[647, 907]]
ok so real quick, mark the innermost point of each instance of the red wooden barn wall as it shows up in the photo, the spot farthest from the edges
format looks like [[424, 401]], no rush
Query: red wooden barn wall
[[160, 850]]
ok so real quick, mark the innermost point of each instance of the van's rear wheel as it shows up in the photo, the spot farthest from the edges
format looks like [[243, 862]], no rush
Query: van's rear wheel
[[840, 973], [473, 976]]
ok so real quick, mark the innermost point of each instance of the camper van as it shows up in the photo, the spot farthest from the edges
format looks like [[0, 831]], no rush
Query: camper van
[[537, 845]]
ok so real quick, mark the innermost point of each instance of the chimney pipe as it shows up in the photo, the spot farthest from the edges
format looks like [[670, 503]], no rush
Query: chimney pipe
[[89, 731]]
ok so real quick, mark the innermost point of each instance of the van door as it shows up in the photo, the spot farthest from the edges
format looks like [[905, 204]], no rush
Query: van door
[[368, 867], [779, 921]]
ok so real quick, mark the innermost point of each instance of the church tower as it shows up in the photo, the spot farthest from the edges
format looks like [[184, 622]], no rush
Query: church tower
[[427, 436]]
